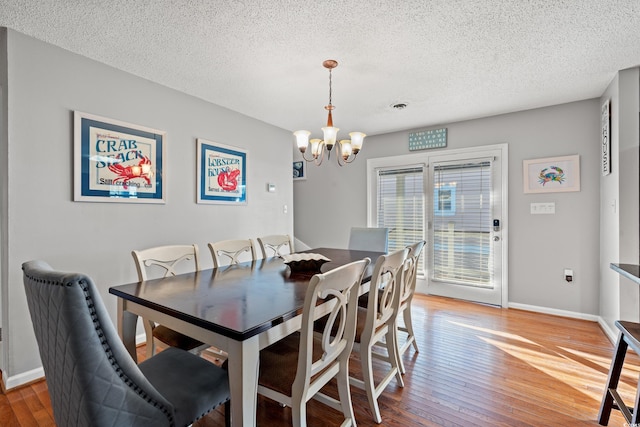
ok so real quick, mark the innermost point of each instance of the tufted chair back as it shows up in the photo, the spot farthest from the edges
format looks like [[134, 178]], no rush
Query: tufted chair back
[[92, 379]]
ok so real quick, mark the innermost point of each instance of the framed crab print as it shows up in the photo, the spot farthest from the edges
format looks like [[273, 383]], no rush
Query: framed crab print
[[116, 161], [222, 173], [552, 174]]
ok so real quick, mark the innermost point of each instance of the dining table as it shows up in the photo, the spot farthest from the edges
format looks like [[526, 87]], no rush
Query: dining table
[[239, 309]]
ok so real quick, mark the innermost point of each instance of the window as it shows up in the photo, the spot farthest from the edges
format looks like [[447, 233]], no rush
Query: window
[[444, 200], [461, 222], [400, 205]]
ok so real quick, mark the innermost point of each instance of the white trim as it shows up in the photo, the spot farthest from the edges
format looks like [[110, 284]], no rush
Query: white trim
[[23, 378], [610, 333], [555, 312]]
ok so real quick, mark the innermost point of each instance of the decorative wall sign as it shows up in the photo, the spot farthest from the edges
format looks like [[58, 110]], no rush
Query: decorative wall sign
[[552, 174], [299, 171], [606, 137], [222, 173], [116, 161], [426, 139]]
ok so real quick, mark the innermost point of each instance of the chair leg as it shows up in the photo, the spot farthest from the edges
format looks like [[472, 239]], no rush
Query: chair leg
[[344, 394], [409, 325], [391, 340], [227, 414], [369, 384], [299, 412], [612, 381], [151, 342]]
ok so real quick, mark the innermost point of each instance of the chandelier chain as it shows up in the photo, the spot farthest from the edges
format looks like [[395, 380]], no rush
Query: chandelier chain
[[330, 87]]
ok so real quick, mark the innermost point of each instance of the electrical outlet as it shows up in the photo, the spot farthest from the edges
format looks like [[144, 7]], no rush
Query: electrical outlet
[[568, 275]]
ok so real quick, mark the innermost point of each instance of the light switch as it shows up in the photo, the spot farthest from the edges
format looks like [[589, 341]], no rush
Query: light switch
[[546, 208]]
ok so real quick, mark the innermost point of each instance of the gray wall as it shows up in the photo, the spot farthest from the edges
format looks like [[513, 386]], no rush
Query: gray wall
[[45, 85], [333, 199], [619, 210]]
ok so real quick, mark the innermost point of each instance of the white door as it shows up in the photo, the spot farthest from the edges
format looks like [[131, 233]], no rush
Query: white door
[[466, 217]]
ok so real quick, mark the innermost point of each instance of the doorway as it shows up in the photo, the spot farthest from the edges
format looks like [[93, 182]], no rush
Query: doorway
[[466, 226], [456, 200]]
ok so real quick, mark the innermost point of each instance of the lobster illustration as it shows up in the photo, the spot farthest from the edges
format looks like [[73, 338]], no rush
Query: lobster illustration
[[554, 174], [127, 173], [228, 179]]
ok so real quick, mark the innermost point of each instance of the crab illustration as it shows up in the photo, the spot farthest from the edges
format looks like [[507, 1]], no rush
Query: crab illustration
[[127, 173], [228, 179], [550, 174]]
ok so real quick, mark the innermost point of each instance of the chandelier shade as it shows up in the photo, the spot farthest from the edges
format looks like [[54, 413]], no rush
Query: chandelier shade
[[347, 148]]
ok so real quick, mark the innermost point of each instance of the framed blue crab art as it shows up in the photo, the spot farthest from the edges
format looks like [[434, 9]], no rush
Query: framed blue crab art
[[221, 173], [552, 174], [116, 161]]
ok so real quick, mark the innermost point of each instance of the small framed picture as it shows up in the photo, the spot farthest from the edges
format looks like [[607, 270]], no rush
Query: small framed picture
[[116, 161], [221, 173], [552, 174], [606, 137], [299, 172]]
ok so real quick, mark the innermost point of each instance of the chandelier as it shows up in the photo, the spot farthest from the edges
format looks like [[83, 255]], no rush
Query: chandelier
[[347, 149]]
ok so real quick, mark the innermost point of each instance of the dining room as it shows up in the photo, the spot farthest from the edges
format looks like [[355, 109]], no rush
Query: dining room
[[43, 87]]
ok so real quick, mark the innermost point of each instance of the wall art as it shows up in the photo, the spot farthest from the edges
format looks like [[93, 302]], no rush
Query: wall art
[[552, 174], [222, 173], [116, 161], [605, 122], [299, 170]]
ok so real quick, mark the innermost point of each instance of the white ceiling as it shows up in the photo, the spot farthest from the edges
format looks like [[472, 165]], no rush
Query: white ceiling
[[449, 60]]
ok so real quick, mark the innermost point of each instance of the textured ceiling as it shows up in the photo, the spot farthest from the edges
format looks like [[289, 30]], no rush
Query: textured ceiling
[[448, 60]]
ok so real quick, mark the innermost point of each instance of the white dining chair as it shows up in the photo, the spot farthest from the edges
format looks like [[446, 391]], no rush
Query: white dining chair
[[369, 239], [275, 245], [376, 328], [294, 369], [230, 252], [407, 290], [165, 261]]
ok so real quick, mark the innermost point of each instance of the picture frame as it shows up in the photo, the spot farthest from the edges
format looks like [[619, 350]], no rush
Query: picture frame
[[299, 170], [605, 122], [116, 161], [221, 173], [551, 174]]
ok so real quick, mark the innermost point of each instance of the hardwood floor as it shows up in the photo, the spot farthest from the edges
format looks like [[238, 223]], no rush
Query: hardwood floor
[[477, 366]]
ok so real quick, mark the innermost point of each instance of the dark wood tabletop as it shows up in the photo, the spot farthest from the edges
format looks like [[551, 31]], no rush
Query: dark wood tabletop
[[236, 301]]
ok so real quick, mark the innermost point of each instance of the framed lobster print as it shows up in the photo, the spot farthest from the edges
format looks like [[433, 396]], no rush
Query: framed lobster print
[[222, 173], [116, 161]]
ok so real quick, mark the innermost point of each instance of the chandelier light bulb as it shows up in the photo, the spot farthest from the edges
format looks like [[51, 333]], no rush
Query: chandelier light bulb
[[302, 139]]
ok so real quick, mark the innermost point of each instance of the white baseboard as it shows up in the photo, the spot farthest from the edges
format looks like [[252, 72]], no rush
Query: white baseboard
[[610, 333], [23, 378], [555, 312]]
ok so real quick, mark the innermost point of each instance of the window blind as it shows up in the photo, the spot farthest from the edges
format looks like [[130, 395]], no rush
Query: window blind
[[400, 206], [462, 223]]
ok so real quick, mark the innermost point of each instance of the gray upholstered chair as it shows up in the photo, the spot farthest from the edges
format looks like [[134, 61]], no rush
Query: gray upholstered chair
[[92, 379], [369, 239]]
